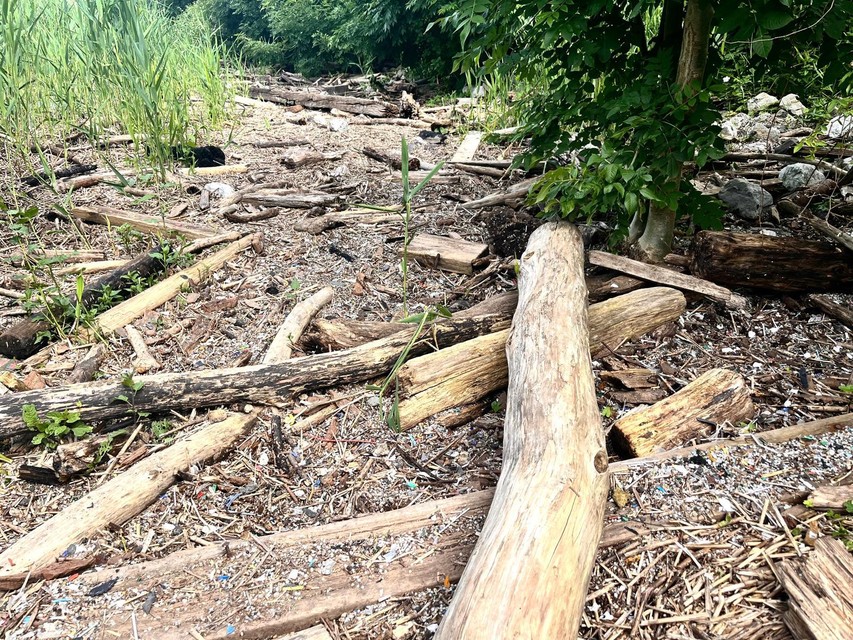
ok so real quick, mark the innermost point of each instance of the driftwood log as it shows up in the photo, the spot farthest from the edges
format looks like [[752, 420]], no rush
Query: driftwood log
[[538, 543], [714, 397], [153, 224], [783, 265], [471, 370], [326, 101], [266, 383]]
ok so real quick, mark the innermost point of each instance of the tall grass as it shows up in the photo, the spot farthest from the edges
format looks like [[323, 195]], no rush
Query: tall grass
[[100, 67]]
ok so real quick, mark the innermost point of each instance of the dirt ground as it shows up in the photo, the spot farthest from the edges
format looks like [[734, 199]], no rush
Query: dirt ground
[[712, 525]]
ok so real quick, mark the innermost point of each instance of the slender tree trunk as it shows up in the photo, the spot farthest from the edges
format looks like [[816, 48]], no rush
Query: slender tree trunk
[[656, 241]]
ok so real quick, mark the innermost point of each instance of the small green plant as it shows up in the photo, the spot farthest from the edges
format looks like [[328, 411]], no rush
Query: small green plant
[[133, 387], [846, 388], [409, 193], [159, 428], [607, 411], [54, 427], [496, 406], [106, 446]]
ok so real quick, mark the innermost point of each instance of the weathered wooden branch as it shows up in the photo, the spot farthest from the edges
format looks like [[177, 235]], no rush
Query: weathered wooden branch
[[288, 200], [392, 160], [88, 366], [153, 224], [831, 232], [144, 361], [266, 383], [513, 196], [471, 370], [834, 310], [318, 224], [770, 263], [448, 254], [782, 159], [820, 591], [538, 542], [715, 397], [303, 158], [265, 214], [326, 101], [668, 277], [293, 326]]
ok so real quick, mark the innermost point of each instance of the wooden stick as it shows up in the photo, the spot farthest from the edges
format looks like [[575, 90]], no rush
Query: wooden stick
[[86, 368], [144, 361], [667, 277], [783, 159], [468, 147], [834, 310], [538, 542], [831, 497], [119, 499], [776, 436], [717, 396], [294, 325], [153, 224], [834, 233], [213, 171]]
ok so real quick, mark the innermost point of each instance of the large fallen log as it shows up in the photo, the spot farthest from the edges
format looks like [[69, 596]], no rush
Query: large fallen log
[[326, 101], [471, 370], [538, 544], [668, 277], [266, 383], [820, 592], [715, 397], [784, 265], [22, 339]]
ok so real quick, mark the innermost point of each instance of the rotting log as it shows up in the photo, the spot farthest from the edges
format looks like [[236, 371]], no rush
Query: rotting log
[[668, 277], [717, 396], [538, 543], [22, 339], [153, 224], [820, 591], [265, 383], [119, 499], [471, 370], [326, 101], [783, 265]]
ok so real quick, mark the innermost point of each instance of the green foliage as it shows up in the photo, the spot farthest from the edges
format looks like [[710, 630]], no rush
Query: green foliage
[[81, 67], [133, 387], [608, 77], [54, 427], [325, 36], [159, 428]]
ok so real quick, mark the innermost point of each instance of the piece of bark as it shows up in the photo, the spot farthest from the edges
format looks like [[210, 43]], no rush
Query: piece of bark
[[638, 396], [59, 569], [448, 254], [153, 224], [539, 540], [318, 224], [22, 339], [266, 214], [268, 383], [831, 497], [297, 159], [144, 361], [637, 378], [715, 397], [273, 144], [218, 170], [395, 161], [468, 147], [471, 370], [294, 325], [820, 591], [606, 287], [784, 265], [88, 366], [662, 275], [834, 310], [68, 460], [291, 200], [116, 501], [92, 179], [326, 101]]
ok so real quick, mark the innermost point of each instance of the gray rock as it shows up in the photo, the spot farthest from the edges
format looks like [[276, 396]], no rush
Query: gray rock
[[799, 175], [746, 199], [734, 128], [840, 127], [791, 103], [762, 102]]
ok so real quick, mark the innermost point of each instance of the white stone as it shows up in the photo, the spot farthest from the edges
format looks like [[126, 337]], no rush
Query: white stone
[[799, 175], [840, 127], [791, 103], [761, 102]]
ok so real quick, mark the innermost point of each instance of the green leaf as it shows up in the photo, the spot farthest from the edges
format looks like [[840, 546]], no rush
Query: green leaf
[[31, 416], [771, 19]]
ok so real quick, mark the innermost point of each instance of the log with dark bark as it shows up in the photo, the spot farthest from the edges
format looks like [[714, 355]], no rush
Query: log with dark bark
[[69, 172], [22, 339], [326, 101], [539, 540], [783, 265], [302, 158], [395, 160], [715, 397], [260, 383]]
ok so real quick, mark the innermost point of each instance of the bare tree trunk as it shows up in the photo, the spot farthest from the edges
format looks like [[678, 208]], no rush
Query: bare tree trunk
[[656, 241]]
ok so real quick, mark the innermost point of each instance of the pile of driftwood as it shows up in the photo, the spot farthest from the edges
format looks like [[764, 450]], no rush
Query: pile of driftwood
[[547, 508]]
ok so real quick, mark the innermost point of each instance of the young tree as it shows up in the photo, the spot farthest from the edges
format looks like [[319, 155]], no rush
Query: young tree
[[628, 85]]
